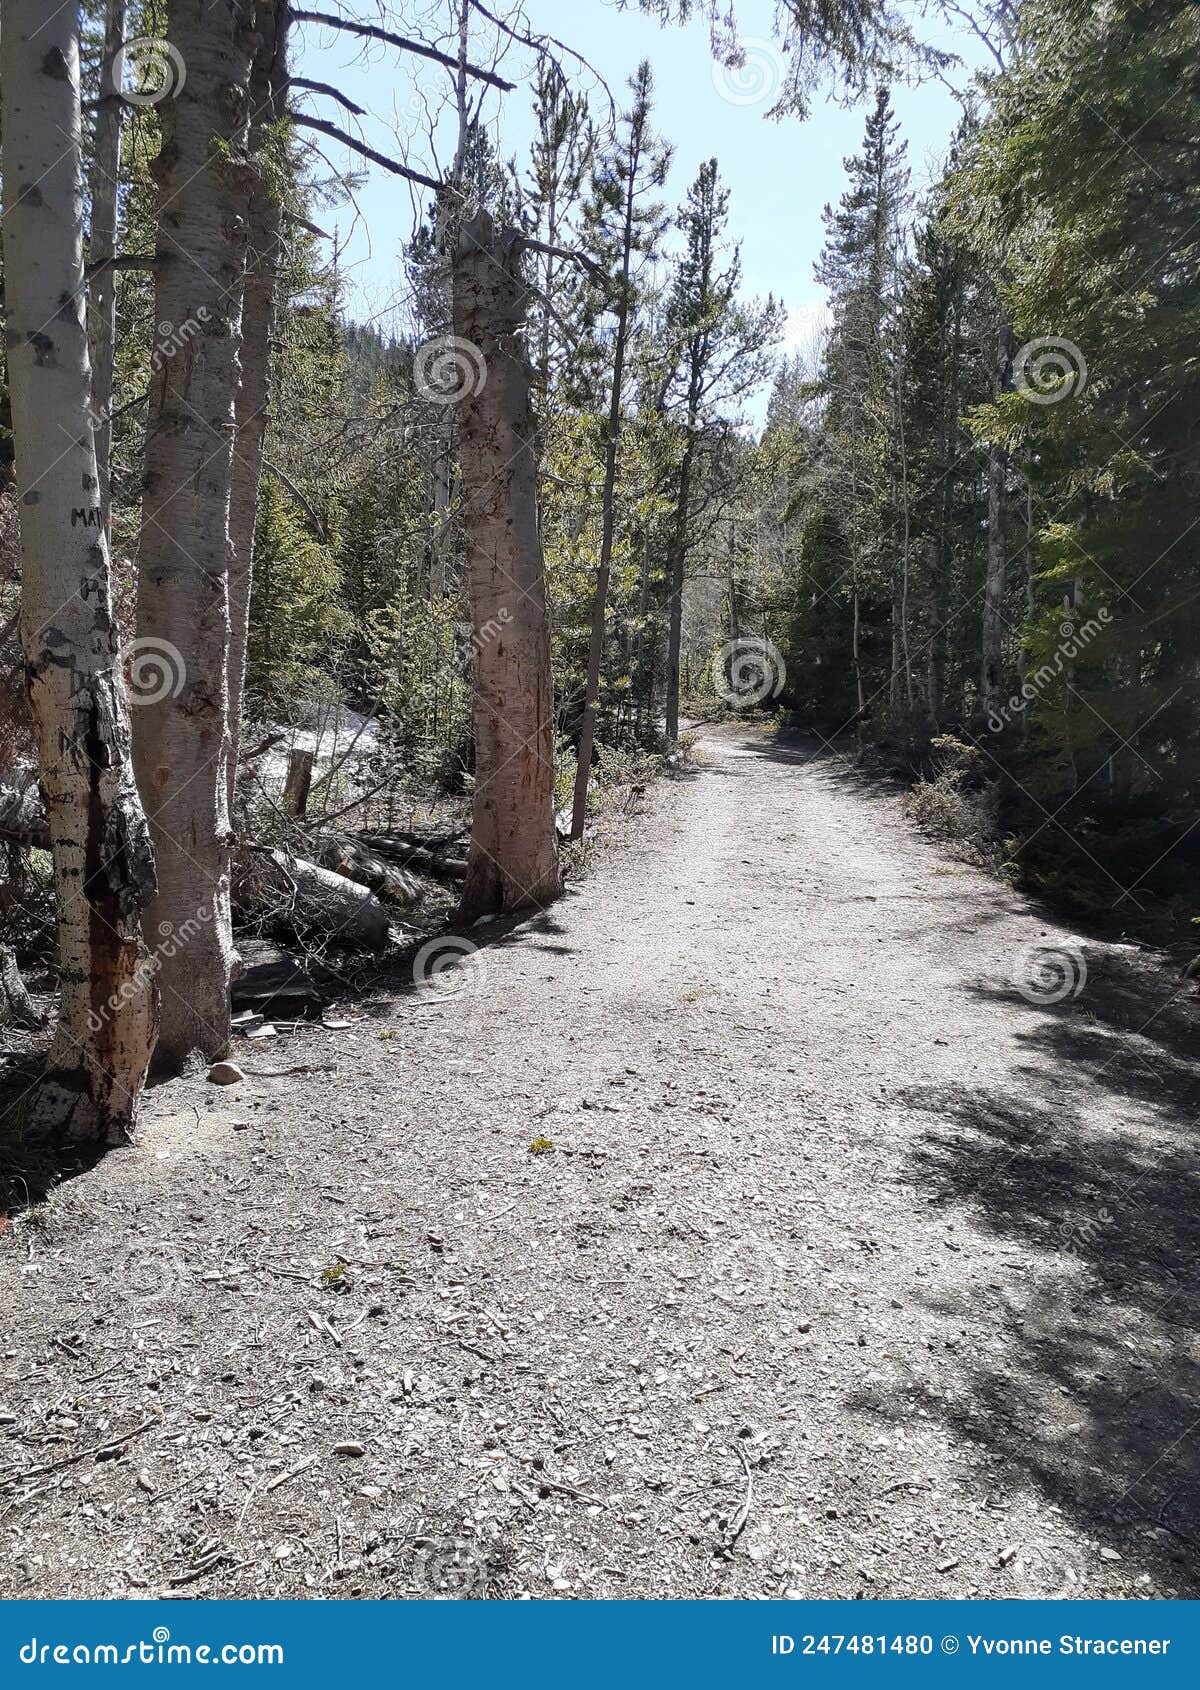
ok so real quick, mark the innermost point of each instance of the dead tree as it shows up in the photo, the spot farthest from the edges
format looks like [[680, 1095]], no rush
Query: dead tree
[[513, 857]]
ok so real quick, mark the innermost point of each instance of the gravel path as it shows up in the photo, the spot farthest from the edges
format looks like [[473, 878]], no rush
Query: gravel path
[[850, 1271]]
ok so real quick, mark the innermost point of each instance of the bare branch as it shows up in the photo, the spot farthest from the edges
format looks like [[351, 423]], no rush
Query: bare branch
[[539, 43], [329, 92], [286, 482], [125, 261], [360, 147], [405, 44], [303, 223], [594, 270]]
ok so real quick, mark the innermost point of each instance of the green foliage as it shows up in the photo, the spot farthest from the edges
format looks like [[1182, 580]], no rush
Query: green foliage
[[1033, 340], [294, 608]]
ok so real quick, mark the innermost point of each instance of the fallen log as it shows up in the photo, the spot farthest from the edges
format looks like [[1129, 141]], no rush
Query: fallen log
[[410, 852], [281, 983], [273, 887], [386, 880]]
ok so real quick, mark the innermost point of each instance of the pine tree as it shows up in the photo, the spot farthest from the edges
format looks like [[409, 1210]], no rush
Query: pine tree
[[623, 234], [859, 265], [718, 351]]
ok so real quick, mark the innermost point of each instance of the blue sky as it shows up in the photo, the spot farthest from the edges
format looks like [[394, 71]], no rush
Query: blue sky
[[780, 174]]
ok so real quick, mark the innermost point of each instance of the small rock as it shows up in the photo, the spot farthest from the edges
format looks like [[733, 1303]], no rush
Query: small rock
[[948, 1564], [225, 1074], [349, 1449], [1109, 1555]]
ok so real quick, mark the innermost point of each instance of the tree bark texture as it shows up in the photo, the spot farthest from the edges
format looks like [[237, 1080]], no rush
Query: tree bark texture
[[182, 727], [513, 858], [268, 106], [103, 862], [104, 192]]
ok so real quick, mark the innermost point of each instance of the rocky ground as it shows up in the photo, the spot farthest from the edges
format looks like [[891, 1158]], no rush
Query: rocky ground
[[745, 1225]]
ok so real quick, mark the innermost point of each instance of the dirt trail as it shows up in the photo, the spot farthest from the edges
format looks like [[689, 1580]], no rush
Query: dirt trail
[[852, 1271]]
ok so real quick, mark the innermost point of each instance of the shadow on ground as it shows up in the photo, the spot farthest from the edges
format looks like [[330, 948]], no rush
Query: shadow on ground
[[1094, 1389]]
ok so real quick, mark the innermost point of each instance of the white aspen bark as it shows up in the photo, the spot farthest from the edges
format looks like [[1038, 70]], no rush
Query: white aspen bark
[[513, 859], [102, 246], [182, 730], [103, 863], [268, 104]]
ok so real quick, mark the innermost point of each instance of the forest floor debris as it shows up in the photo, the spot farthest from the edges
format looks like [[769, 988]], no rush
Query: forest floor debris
[[853, 1272]]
